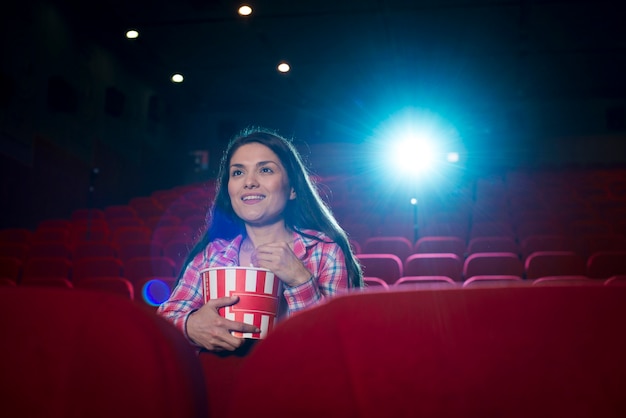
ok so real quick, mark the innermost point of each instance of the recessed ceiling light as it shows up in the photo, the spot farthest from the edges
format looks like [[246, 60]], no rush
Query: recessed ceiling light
[[283, 67], [132, 34], [244, 10], [177, 78]]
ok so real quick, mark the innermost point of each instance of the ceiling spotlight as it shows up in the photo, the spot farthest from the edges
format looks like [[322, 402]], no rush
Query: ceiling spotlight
[[132, 34], [283, 67], [177, 78], [244, 10]]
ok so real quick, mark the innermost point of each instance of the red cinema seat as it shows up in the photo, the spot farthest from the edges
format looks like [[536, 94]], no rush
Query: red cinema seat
[[138, 268], [604, 264], [493, 280], [437, 244], [617, 280], [115, 285], [566, 281], [400, 246], [11, 268], [375, 283], [89, 354], [424, 282], [554, 263], [488, 264], [509, 351], [97, 267], [18, 250], [434, 264], [60, 282], [384, 266], [492, 245], [47, 267]]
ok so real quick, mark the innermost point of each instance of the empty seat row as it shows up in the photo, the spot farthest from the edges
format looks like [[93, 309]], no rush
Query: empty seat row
[[403, 247], [444, 282], [133, 269], [390, 267]]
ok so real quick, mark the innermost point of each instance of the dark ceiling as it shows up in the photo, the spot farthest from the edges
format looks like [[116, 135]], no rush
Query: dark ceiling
[[361, 53]]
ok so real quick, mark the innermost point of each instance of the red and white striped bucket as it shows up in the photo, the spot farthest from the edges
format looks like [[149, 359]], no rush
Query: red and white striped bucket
[[257, 289]]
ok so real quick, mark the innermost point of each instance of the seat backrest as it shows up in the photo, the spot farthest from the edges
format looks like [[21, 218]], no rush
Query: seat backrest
[[492, 244], [115, 285], [375, 282], [47, 267], [385, 266], [89, 354], [554, 263], [486, 264], [434, 264], [424, 282], [96, 267], [510, 351], [604, 264], [137, 268], [400, 246], [439, 244], [11, 268]]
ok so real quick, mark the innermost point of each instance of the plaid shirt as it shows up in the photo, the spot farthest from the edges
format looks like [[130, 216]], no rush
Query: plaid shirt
[[324, 259]]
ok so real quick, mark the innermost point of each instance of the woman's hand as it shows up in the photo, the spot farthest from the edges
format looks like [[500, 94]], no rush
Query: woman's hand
[[207, 328], [279, 258]]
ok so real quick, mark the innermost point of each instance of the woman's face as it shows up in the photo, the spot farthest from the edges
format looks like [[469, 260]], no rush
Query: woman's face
[[258, 185]]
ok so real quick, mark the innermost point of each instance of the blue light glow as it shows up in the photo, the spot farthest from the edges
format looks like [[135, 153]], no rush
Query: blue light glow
[[155, 292]]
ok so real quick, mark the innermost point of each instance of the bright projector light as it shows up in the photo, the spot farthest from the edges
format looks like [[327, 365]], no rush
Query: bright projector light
[[414, 155], [453, 157]]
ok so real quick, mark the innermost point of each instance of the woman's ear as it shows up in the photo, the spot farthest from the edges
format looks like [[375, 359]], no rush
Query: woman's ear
[[292, 195]]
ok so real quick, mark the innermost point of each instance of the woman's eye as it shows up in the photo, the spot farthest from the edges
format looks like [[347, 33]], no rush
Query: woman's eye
[[266, 170], [235, 173]]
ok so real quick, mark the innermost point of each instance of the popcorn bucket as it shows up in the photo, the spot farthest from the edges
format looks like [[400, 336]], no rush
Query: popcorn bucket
[[257, 289]]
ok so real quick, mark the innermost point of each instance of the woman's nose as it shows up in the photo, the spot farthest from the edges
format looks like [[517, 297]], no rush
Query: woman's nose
[[251, 181]]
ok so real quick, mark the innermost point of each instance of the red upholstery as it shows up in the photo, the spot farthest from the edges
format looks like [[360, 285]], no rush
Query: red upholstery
[[435, 264], [87, 354], [554, 263], [492, 245], [96, 267], [116, 285], [435, 244], [385, 266], [487, 264], [138, 268], [376, 283], [400, 246], [47, 267], [47, 282], [509, 352], [494, 280], [11, 268], [424, 282], [605, 264]]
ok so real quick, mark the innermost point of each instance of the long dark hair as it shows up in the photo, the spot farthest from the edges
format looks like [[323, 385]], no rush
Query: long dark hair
[[307, 211]]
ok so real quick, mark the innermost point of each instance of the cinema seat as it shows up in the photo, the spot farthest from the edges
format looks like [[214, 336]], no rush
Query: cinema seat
[[385, 266], [88, 354], [375, 283], [512, 352]]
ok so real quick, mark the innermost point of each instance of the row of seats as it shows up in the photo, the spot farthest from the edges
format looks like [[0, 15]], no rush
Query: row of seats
[[508, 351], [134, 269], [444, 282], [584, 245], [175, 249], [390, 267], [148, 292]]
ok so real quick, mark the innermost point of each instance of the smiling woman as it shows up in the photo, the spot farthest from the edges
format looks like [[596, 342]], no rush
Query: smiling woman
[[267, 214]]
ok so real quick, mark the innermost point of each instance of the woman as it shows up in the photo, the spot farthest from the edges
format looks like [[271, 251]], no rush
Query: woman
[[268, 214]]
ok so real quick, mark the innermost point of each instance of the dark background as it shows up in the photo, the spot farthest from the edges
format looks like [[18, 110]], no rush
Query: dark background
[[523, 84]]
